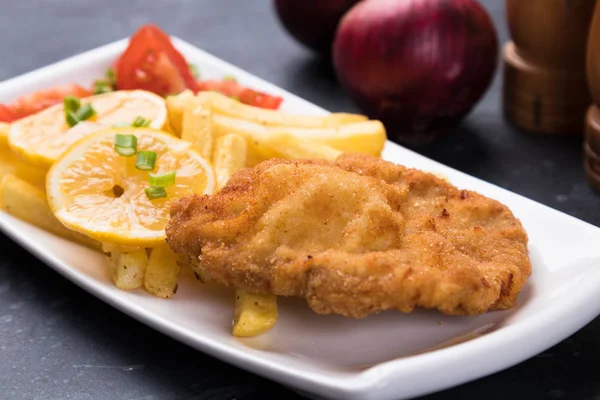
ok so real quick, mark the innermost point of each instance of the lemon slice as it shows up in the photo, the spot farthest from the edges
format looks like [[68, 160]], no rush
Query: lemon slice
[[93, 190], [4, 128], [42, 137]]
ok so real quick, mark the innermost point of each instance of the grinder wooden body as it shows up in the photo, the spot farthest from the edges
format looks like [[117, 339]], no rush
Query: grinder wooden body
[[545, 87], [592, 121]]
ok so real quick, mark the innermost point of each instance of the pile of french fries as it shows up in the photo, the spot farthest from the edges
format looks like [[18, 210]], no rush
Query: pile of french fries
[[232, 136]]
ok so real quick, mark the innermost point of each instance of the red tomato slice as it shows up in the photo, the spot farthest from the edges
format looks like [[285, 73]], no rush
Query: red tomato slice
[[40, 100], [6, 114], [244, 94], [151, 63]]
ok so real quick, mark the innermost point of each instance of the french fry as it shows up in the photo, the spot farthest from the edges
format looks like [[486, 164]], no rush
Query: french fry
[[175, 108], [127, 266], [185, 263], [162, 272], [295, 148], [362, 137], [256, 137], [12, 164], [221, 104], [228, 157], [366, 137], [28, 203], [197, 127], [255, 314]]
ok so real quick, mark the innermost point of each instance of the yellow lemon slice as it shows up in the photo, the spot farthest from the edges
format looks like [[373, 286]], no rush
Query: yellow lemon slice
[[42, 137], [4, 128], [93, 190]]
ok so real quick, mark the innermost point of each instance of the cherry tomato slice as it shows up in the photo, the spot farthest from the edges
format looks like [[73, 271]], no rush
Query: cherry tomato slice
[[40, 100], [244, 94], [6, 114], [151, 63]]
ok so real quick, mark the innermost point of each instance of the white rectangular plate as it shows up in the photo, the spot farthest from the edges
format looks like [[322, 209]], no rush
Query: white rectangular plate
[[386, 356]]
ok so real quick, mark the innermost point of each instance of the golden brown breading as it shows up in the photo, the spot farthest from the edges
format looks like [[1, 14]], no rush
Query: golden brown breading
[[355, 237]]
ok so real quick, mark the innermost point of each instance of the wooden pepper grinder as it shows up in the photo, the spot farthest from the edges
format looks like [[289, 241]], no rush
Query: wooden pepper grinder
[[545, 87], [592, 128]]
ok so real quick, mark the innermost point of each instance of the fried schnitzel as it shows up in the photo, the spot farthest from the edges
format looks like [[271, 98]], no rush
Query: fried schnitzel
[[354, 237]]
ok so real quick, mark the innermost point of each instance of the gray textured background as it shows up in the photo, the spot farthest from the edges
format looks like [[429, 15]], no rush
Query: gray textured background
[[58, 342]]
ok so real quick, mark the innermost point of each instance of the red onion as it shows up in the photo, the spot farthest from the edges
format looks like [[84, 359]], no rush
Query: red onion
[[419, 66], [313, 22]]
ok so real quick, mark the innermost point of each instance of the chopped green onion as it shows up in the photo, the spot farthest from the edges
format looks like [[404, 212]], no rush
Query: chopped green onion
[[85, 112], [229, 78], [102, 89], [109, 84], [125, 151], [71, 103], [110, 74], [145, 160], [194, 70], [102, 86], [125, 145], [126, 140], [141, 122], [71, 118], [155, 192], [162, 178]]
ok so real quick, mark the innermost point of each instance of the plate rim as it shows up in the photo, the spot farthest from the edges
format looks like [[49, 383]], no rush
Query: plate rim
[[381, 380]]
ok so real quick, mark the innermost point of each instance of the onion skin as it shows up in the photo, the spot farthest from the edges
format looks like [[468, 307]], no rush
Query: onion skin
[[313, 22], [418, 66]]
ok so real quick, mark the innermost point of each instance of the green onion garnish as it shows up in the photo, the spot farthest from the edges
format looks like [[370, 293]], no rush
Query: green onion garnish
[[194, 70], [71, 118], [163, 179], [109, 84], [141, 122], [125, 145], [155, 192], [102, 86], [85, 112], [71, 103], [229, 78], [110, 74], [145, 160]]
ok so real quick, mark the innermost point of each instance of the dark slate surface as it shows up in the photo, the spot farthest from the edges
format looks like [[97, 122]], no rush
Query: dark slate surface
[[58, 342]]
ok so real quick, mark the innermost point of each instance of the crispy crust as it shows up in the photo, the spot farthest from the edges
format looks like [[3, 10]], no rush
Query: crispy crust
[[355, 237]]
